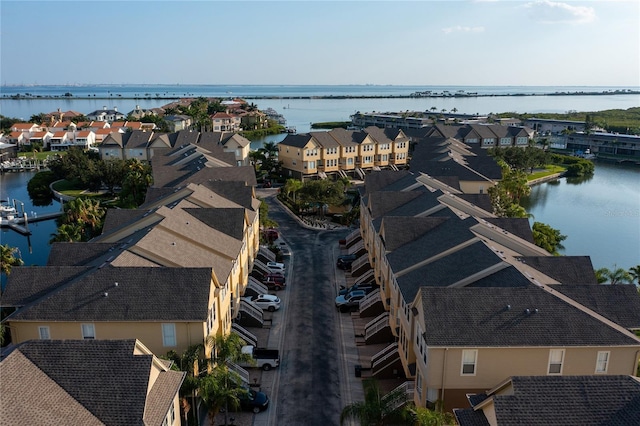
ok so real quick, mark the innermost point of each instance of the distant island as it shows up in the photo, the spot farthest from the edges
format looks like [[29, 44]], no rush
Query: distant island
[[422, 94]]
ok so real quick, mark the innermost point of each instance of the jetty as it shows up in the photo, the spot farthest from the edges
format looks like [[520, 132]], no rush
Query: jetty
[[21, 224]]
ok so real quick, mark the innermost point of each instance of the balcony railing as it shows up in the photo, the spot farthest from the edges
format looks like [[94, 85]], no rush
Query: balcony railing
[[370, 299], [376, 324], [380, 359]]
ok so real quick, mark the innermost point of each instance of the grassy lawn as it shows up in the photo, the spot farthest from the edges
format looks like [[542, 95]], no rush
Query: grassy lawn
[[72, 189], [549, 170], [39, 155]]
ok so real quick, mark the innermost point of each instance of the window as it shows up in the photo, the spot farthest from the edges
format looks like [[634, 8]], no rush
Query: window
[[168, 334], [556, 356], [88, 331], [469, 358], [43, 331], [419, 385], [602, 363]]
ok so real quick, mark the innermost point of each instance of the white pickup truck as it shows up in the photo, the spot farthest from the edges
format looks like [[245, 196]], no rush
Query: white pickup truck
[[263, 358]]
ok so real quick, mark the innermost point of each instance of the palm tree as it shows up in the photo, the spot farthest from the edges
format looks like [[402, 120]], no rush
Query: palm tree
[[377, 409], [613, 276], [67, 232], [634, 273], [454, 110], [222, 388], [9, 257], [291, 186]]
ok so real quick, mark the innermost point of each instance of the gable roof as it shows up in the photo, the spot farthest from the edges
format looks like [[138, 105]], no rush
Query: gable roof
[[77, 254], [96, 382], [378, 181], [498, 317], [565, 269], [141, 294], [561, 400], [618, 303], [297, 141]]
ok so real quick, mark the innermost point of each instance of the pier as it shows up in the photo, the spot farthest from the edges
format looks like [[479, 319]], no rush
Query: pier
[[21, 224]]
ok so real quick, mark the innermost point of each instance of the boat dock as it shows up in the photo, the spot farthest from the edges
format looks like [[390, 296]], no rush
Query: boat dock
[[21, 224]]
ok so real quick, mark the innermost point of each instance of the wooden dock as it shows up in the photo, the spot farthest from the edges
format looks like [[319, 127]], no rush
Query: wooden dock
[[21, 224]]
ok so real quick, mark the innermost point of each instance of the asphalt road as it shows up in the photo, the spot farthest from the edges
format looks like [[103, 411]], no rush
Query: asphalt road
[[311, 373]]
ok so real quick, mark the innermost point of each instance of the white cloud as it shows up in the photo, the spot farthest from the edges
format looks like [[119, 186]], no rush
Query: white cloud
[[550, 12], [461, 29]]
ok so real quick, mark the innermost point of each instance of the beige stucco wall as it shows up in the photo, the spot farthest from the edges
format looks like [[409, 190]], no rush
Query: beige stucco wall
[[494, 365], [149, 333], [289, 155], [475, 187]]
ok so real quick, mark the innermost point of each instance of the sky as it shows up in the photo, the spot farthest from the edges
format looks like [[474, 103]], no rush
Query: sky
[[474, 42]]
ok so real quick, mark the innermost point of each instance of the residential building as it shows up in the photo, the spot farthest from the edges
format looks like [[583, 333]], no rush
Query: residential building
[[342, 152], [105, 114], [461, 293], [88, 382], [138, 112], [224, 122], [605, 144], [177, 122], [545, 126], [567, 400]]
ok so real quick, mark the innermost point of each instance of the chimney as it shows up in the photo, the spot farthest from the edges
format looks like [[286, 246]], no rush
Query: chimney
[[104, 107], [115, 109]]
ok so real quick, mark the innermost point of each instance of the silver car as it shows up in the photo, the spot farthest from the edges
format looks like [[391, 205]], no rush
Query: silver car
[[266, 302]]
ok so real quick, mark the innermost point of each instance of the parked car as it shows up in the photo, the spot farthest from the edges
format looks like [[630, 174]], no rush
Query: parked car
[[254, 401], [268, 302], [274, 281], [345, 258], [275, 266], [271, 234], [366, 287], [344, 264], [350, 300]]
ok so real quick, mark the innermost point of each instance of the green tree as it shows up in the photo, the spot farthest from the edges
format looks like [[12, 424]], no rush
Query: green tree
[[39, 188], [378, 408], [506, 194], [425, 417], [9, 257], [40, 118], [614, 276], [68, 232], [136, 180], [547, 237], [222, 388], [113, 173], [265, 221], [634, 273], [270, 162], [292, 186], [318, 193]]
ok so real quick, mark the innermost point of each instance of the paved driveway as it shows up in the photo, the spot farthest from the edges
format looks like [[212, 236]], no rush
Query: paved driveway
[[310, 385]]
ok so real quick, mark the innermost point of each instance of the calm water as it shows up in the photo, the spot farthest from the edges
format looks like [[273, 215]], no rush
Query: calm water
[[34, 249], [600, 215]]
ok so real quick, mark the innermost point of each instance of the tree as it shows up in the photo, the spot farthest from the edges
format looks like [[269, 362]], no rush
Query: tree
[[136, 180], [67, 233], [506, 194], [634, 273], [548, 238], [377, 409], [222, 388], [614, 276], [265, 221], [425, 417], [291, 186], [9, 257], [322, 192]]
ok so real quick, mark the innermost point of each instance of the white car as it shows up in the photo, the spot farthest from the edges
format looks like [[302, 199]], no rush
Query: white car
[[267, 302], [275, 267]]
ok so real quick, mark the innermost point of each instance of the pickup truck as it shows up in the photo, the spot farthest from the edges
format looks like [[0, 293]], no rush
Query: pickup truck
[[263, 358]]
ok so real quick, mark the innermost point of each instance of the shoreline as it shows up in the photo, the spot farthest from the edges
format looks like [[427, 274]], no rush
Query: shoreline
[[18, 96]]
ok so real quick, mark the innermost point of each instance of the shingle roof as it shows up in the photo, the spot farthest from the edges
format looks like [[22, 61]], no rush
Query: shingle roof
[[28, 283], [517, 226], [227, 220], [296, 141], [470, 417], [565, 269], [400, 230], [570, 400], [484, 202], [619, 303], [325, 140], [142, 294], [497, 317], [383, 202], [76, 254], [105, 377], [378, 181], [115, 218]]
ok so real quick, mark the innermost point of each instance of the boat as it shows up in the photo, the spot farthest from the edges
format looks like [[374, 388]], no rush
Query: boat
[[8, 213]]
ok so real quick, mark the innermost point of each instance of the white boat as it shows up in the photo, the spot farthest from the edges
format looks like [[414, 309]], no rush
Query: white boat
[[7, 212]]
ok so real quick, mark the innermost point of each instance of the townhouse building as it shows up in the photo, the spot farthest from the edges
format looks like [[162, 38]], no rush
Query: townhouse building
[[87, 382], [342, 152], [461, 293], [603, 145], [105, 114], [224, 122]]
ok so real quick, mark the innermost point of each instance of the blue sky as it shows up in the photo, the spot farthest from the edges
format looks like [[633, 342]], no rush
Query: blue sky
[[482, 43]]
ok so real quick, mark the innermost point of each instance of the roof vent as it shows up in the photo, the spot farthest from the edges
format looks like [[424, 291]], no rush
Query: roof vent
[[535, 311], [116, 284], [508, 307], [106, 294], [527, 311], [173, 243]]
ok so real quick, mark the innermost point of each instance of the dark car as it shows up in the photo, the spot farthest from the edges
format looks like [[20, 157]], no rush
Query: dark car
[[367, 288], [274, 281], [344, 264], [345, 258], [254, 401]]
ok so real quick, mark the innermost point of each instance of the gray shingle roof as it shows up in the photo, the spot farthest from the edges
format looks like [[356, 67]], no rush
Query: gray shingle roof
[[142, 294], [76, 254], [115, 218], [28, 283], [227, 220], [383, 202], [619, 303], [296, 141], [565, 269], [400, 230], [138, 139], [104, 376], [483, 201], [378, 181], [570, 400], [517, 226], [470, 417], [325, 140], [497, 317]]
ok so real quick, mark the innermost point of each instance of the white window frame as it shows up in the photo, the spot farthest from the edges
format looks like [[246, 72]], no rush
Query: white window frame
[[88, 331], [419, 385], [169, 335], [602, 358], [555, 352], [44, 332], [466, 355]]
